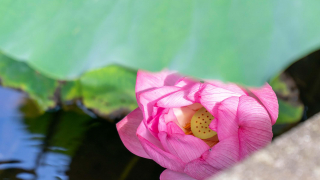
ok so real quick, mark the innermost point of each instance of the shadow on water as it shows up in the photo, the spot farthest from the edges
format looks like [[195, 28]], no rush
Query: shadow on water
[[306, 74], [63, 145]]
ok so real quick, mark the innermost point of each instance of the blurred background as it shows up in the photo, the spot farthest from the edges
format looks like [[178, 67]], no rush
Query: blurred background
[[68, 71]]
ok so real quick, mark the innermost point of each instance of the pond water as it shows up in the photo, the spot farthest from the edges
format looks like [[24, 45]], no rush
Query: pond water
[[61, 145]]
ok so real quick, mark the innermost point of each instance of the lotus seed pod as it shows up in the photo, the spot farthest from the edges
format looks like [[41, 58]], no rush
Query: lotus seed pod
[[200, 124]]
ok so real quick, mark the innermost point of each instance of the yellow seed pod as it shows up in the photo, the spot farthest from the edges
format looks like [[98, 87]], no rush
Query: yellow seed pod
[[200, 124]]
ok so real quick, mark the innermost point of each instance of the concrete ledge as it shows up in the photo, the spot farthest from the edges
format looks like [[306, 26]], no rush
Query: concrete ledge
[[293, 155]]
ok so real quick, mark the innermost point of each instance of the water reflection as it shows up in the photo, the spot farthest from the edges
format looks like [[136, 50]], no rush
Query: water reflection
[[22, 148], [62, 145]]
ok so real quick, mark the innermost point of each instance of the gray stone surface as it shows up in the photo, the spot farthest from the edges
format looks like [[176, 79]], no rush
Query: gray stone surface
[[294, 155]]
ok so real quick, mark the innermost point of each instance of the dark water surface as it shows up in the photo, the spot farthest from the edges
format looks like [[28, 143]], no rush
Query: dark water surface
[[61, 145]]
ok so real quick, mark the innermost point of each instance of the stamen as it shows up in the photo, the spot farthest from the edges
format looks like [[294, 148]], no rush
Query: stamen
[[188, 129]]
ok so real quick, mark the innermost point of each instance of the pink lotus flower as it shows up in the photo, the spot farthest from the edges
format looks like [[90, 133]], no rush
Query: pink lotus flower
[[196, 129]]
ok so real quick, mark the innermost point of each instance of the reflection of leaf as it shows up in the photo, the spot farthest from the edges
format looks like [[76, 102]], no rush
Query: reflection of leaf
[[38, 125], [241, 41], [19, 75], [68, 131], [30, 109]]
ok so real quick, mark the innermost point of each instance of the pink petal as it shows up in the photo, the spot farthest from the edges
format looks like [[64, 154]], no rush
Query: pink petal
[[199, 169], [211, 95], [174, 100], [195, 106], [147, 80], [127, 129], [166, 117], [269, 99], [221, 156], [183, 115], [228, 86], [179, 98], [227, 120], [173, 128], [214, 126], [224, 154], [144, 132], [186, 147], [185, 81], [255, 128], [148, 99], [153, 122], [162, 125], [194, 91], [172, 175], [161, 157]]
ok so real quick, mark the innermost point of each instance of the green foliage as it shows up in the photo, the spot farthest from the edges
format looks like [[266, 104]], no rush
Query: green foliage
[[71, 90], [109, 89], [242, 41], [20, 76], [289, 113], [103, 90], [290, 108]]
